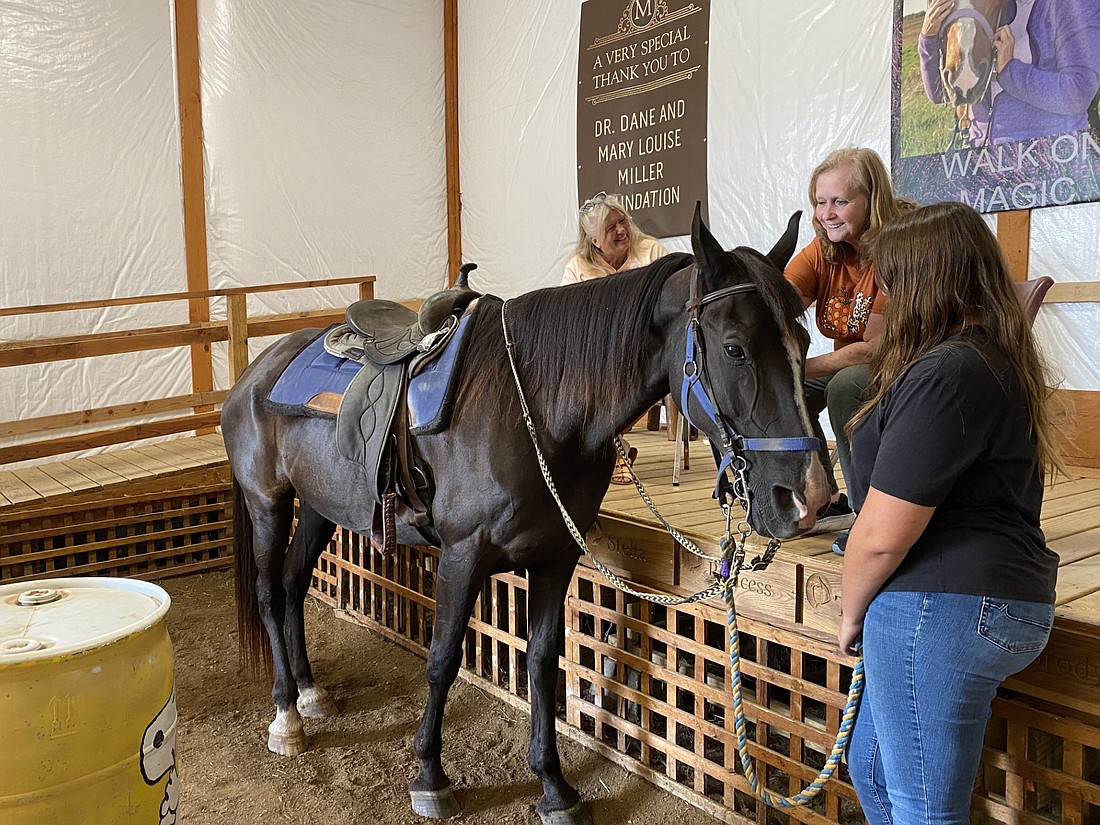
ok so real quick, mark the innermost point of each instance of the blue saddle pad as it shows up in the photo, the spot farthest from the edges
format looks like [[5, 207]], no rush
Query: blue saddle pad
[[431, 391], [313, 371]]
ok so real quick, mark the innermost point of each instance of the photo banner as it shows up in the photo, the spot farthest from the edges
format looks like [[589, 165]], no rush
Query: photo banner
[[1021, 131], [642, 108]]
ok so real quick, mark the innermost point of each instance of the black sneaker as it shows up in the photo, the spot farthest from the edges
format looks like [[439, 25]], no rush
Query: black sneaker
[[841, 543], [834, 517]]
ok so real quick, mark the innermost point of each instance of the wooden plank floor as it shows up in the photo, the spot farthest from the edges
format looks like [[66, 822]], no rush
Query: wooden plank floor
[[1071, 518], [32, 486]]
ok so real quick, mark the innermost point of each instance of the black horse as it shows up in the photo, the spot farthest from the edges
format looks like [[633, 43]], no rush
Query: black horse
[[592, 358]]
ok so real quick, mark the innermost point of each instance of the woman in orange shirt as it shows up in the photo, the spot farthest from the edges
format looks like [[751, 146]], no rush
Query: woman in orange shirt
[[852, 197]]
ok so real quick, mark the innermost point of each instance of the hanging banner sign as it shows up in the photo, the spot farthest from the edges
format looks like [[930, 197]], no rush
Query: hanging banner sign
[[642, 108], [1011, 127]]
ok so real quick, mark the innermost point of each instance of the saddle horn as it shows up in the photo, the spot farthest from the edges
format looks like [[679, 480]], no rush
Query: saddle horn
[[453, 301], [463, 279]]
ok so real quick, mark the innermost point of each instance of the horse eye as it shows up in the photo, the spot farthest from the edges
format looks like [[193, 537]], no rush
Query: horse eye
[[735, 351]]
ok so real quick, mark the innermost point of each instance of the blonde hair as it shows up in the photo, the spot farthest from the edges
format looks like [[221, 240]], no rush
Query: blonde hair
[[944, 271], [870, 178], [592, 215]]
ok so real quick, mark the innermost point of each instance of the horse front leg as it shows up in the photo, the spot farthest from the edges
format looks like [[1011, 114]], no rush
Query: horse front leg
[[457, 587], [310, 537], [546, 589], [286, 734]]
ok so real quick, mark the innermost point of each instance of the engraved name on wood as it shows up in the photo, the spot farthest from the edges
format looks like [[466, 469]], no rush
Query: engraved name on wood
[[765, 594], [638, 553]]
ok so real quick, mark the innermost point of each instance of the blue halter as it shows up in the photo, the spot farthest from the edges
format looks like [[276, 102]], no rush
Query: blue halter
[[733, 443]]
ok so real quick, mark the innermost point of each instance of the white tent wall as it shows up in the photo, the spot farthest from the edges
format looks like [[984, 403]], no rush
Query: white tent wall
[[789, 81], [324, 158], [324, 142], [89, 193]]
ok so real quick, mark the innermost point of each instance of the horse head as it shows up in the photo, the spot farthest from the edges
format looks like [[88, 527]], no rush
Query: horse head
[[750, 351], [966, 50]]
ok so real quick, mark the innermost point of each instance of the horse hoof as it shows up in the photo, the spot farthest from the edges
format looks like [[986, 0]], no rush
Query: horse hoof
[[577, 815], [439, 804], [315, 703], [286, 744]]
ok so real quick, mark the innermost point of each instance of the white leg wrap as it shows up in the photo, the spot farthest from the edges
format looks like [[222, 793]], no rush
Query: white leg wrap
[[315, 703]]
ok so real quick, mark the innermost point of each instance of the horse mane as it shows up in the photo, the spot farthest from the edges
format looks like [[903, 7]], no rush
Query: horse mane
[[580, 349], [583, 350]]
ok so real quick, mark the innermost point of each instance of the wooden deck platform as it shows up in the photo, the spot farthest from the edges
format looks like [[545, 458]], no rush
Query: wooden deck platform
[[145, 512], [1070, 519], [628, 537]]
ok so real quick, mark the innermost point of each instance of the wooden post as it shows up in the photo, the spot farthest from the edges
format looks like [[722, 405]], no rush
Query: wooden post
[[1014, 233], [366, 290], [237, 316], [193, 187], [450, 110]]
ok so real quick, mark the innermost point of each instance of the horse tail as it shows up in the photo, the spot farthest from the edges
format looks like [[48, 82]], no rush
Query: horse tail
[[253, 647]]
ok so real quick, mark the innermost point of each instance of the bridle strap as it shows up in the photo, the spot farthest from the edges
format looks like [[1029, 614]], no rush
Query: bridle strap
[[725, 291], [733, 443], [780, 445]]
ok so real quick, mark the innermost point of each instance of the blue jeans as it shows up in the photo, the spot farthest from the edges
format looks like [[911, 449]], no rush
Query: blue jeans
[[933, 664]]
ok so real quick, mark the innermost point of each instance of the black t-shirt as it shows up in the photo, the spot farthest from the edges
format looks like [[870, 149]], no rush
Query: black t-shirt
[[953, 432]]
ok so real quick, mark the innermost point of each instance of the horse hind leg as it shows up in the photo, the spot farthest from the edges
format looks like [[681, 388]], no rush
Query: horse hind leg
[[271, 528], [546, 588], [310, 538]]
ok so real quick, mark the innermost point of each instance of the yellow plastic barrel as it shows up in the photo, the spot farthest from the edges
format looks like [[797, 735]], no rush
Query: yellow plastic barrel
[[87, 704]]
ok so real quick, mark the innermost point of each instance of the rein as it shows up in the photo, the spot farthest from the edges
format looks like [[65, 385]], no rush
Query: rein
[[731, 562]]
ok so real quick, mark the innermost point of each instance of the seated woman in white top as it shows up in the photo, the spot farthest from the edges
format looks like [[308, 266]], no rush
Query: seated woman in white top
[[609, 241]]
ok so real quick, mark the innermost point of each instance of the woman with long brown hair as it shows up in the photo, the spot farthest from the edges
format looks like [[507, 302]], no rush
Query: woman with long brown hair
[[947, 577]]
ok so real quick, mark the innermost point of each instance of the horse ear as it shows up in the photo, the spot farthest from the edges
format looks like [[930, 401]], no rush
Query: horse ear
[[707, 250], [781, 253]]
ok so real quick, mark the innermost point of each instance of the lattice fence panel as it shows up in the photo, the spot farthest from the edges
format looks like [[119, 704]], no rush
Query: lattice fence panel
[[647, 686], [158, 533], [652, 682], [1038, 767], [396, 595]]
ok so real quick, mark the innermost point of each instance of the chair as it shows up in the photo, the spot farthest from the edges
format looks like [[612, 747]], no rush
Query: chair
[[678, 430], [1032, 293]]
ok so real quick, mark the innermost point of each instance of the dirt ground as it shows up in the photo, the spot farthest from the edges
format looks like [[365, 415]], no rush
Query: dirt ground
[[359, 763]]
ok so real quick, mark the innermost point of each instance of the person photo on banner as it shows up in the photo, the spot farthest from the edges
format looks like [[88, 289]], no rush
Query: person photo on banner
[[1047, 68]]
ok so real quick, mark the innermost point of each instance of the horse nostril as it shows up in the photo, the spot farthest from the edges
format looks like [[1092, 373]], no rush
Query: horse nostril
[[785, 500]]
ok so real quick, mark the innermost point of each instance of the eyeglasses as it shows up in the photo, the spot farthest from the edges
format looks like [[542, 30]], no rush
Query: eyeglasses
[[593, 202]]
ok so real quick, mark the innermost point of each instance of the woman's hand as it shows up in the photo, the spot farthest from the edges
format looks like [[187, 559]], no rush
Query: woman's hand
[[934, 17], [1004, 43], [850, 632]]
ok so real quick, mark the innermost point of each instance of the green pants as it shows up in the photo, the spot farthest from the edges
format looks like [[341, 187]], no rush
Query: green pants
[[841, 393]]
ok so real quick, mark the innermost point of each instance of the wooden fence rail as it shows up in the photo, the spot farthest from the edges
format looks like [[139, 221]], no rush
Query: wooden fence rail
[[147, 418]]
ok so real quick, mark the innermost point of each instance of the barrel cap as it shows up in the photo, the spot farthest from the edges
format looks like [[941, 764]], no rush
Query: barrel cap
[[54, 617]]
